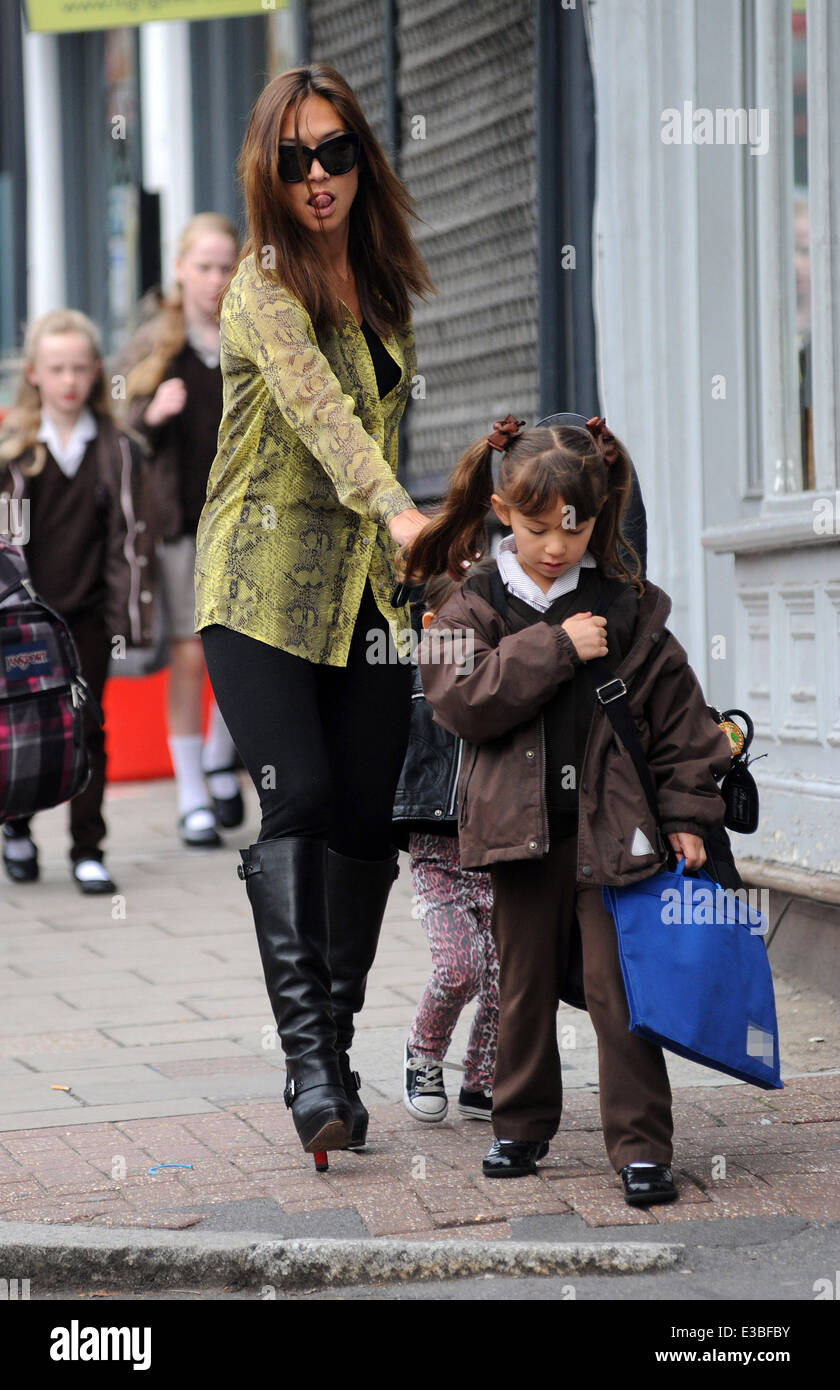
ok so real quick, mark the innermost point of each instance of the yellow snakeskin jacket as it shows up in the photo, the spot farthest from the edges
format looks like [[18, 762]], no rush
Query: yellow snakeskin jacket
[[304, 480]]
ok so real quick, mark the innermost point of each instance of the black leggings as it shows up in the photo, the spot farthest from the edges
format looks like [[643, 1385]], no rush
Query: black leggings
[[324, 745]]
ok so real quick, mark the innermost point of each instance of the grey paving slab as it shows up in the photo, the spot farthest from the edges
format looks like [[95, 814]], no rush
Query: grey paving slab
[[17, 1094], [222, 984], [147, 1011], [96, 1114], [37, 1013], [9, 1066], [247, 1028], [57, 984], [115, 1056], [17, 1045], [150, 1086], [201, 968]]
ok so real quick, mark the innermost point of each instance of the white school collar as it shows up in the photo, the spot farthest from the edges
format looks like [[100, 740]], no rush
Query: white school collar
[[69, 456], [517, 582]]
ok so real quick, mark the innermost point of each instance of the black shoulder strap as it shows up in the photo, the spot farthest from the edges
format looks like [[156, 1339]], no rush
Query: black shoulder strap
[[613, 589], [498, 593], [611, 694]]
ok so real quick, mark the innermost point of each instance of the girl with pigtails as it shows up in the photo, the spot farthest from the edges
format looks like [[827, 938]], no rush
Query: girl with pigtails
[[548, 799]]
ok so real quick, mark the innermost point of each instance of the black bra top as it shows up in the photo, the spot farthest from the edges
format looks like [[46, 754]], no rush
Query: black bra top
[[386, 369]]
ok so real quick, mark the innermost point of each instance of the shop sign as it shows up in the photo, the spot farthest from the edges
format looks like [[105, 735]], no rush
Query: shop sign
[[66, 16]]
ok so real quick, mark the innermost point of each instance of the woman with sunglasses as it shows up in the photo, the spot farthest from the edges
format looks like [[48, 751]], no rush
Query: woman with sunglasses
[[295, 563]]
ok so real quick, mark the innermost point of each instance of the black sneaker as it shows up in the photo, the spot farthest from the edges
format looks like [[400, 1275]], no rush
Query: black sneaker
[[476, 1105], [424, 1095]]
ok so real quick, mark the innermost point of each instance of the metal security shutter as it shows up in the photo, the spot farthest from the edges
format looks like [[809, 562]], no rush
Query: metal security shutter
[[468, 72], [350, 37]]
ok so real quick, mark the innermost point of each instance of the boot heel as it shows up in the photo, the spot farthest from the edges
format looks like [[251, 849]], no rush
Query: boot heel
[[335, 1134], [322, 1163], [320, 1112]]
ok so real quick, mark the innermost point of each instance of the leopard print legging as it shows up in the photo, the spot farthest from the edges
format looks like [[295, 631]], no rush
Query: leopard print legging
[[454, 907]]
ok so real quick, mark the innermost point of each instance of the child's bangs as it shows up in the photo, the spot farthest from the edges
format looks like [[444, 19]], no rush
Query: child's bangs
[[553, 478]]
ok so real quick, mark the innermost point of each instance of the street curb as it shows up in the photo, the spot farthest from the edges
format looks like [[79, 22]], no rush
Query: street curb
[[130, 1260]]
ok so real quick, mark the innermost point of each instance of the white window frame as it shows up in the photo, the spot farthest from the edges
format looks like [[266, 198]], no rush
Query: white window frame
[[786, 518]]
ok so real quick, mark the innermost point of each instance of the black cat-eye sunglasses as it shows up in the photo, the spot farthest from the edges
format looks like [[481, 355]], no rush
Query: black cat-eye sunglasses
[[338, 155]]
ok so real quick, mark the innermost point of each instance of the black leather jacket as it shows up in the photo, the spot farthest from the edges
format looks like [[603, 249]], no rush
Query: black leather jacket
[[426, 799]]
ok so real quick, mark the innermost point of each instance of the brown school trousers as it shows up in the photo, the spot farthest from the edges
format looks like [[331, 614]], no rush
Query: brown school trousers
[[534, 902]]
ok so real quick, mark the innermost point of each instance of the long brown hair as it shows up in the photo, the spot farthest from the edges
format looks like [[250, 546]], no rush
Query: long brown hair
[[538, 468], [21, 424], [387, 264], [164, 331]]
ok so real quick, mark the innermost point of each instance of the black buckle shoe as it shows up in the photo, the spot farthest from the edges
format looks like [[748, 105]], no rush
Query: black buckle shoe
[[513, 1158], [644, 1186]]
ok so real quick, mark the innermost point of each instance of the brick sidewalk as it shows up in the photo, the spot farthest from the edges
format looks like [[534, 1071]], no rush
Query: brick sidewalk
[[779, 1154], [151, 1013]]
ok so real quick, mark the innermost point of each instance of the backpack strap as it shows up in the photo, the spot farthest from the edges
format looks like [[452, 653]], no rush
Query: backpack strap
[[498, 593], [611, 694]]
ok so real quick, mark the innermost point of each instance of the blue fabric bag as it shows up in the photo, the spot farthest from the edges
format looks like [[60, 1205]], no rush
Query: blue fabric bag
[[697, 974]]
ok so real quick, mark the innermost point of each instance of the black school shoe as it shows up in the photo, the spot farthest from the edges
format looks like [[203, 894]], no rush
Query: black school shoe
[[199, 837], [513, 1158], [229, 810], [644, 1186], [20, 870], [91, 877]]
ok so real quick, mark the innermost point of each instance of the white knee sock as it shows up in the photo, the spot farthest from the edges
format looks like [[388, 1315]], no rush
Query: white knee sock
[[219, 751], [185, 750]]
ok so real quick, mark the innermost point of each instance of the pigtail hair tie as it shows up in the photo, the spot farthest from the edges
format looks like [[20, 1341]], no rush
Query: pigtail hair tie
[[597, 427], [504, 431]]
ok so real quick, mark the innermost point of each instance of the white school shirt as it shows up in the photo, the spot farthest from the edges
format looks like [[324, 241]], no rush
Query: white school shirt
[[69, 456], [517, 582]]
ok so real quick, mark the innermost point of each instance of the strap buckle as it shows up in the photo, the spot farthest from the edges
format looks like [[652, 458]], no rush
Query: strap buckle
[[617, 693], [289, 1092]]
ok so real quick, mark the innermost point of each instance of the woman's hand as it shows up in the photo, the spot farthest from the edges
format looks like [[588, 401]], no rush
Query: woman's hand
[[404, 528], [688, 847], [406, 525], [588, 634], [169, 399]]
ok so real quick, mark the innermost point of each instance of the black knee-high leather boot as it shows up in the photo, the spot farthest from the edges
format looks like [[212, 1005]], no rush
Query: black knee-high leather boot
[[286, 881], [358, 895]]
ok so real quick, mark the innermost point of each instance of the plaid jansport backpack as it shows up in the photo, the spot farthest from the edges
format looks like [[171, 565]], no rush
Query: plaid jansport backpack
[[43, 758]]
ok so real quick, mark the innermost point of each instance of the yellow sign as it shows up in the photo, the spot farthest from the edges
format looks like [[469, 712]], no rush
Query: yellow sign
[[65, 16]]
